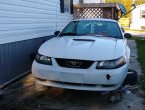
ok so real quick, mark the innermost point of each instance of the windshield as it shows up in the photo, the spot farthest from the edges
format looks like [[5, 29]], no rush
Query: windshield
[[93, 28]]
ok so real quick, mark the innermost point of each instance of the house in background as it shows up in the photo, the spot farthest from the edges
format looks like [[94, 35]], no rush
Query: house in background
[[138, 18], [24, 26]]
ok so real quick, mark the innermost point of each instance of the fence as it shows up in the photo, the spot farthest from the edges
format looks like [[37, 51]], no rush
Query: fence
[[100, 10]]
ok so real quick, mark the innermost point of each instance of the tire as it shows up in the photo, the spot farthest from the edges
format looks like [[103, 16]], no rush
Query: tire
[[131, 78]]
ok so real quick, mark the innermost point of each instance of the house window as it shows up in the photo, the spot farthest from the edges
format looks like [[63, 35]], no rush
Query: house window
[[66, 6], [143, 14]]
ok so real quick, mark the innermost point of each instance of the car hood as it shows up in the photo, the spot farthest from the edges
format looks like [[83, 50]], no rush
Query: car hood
[[83, 47]]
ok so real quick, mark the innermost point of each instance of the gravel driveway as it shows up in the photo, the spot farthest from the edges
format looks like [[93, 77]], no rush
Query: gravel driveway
[[22, 96]]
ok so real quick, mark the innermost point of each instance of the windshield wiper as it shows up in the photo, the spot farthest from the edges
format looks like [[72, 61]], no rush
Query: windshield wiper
[[99, 35], [95, 35], [67, 34]]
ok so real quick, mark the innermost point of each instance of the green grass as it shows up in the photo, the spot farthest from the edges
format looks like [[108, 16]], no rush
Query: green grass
[[141, 57], [128, 29]]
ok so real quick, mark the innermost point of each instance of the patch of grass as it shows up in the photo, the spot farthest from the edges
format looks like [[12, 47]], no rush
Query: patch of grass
[[128, 29], [141, 57]]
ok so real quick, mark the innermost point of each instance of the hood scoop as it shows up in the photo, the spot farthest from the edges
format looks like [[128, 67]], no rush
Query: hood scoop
[[85, 40]]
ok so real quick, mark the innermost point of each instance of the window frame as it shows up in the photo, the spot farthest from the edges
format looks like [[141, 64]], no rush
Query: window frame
[[69, 6], [142, 14]]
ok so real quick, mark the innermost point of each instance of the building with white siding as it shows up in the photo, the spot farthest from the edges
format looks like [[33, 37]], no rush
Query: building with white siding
[[138, 18], [28, 19], [24, 26]]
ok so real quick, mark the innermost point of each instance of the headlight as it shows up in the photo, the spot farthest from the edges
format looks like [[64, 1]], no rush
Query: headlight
[[111, 64], [43, 59]]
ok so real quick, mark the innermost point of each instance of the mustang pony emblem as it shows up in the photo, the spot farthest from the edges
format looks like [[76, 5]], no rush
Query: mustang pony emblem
[[73, 64]]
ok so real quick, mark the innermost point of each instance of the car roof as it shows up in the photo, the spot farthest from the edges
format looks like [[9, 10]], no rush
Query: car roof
[[95, 19]]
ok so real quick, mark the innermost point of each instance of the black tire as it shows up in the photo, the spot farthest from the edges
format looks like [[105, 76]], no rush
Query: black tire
[[131, 78]]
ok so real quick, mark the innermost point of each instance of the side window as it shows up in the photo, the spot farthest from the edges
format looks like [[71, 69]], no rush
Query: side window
[[66, 6], [143, 14]]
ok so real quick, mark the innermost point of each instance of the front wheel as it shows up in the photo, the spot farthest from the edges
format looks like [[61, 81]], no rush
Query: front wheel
[[131, 78]]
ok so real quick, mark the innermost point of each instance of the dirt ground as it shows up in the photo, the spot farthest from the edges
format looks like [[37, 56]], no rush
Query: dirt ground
[[23, 96]]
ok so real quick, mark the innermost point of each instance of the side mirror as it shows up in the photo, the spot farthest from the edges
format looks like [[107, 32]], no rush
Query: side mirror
[[127, 35], [56, 33]]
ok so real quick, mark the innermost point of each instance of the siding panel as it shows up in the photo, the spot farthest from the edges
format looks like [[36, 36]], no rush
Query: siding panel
[[28, 19], [15, 57], [23, 25]]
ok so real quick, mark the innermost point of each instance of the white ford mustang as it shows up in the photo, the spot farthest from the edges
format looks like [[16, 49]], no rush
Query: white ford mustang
[[89, 54]]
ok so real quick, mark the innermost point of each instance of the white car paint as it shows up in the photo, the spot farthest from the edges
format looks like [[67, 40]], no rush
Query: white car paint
[[71, 49], [101, 48]]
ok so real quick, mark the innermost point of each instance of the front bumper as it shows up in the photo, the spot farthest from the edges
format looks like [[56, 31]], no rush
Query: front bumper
[[80, 79]]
